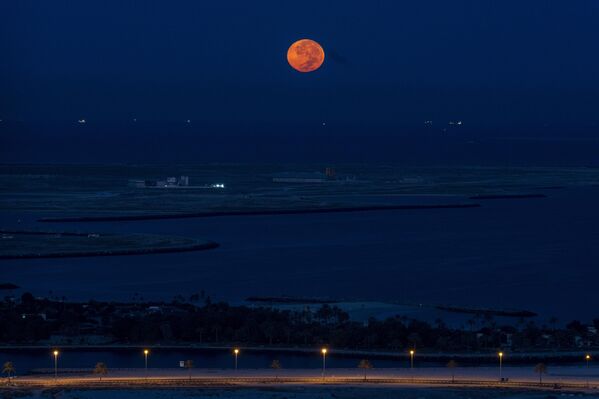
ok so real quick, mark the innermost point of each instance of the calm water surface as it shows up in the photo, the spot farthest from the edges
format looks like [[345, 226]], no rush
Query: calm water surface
[[537, 254]]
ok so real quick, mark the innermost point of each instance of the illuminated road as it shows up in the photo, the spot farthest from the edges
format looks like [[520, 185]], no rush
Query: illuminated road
[[517, 377]]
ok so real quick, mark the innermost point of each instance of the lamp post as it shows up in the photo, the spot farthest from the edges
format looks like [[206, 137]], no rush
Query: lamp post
[[588, 359], [55, 353], [500, 354], [412, 359], [146, 353], [236, 353], [324, 360]]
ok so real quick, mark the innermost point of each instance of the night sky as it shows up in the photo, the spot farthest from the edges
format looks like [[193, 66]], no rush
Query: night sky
[[523, 70]]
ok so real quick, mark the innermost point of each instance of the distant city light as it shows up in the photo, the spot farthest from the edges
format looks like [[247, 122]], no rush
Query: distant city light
[[82, 121]]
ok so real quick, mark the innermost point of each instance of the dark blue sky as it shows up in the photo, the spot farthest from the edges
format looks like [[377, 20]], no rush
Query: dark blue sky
[[500, 66]]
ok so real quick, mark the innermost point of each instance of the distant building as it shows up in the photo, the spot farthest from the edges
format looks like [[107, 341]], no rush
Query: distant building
[[314, 177], [169, 182], [329, 176]]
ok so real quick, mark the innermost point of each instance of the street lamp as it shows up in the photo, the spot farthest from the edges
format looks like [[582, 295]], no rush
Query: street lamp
[[588, 359], [146, 353], [236, 353], [55, 353], [500, 354], [412, 358], [324, 360]]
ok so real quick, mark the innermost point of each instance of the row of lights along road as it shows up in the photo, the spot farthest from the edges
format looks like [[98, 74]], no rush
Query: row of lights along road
[[324, 352]]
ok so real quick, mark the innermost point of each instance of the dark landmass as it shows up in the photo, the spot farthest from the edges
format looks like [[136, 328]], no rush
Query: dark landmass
[[8, 286], [104, 189], [484, 312], [453, 309], [506, 196], [44, 244], [39, 321], [116, 218]]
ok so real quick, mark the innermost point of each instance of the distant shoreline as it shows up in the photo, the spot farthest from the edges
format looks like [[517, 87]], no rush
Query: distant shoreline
[[118, 252], [142, 249], [265, 212]]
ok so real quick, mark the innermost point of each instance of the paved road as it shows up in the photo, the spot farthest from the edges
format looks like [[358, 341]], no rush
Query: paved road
[[521, 377]]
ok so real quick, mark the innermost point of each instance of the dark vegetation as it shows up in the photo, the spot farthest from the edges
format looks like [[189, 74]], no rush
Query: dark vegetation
[[40, 320]]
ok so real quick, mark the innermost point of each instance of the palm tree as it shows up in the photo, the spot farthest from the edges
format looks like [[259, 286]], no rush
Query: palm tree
[[188, 364], [101, 369], [276, 366], [365, 365], [8, 369], [541, 368], [452, 366]]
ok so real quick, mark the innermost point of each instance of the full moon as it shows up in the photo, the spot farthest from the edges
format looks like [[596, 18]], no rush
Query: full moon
[[305, 55]]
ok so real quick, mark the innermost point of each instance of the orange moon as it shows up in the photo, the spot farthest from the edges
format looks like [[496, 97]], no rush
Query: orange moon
[[305, 55]]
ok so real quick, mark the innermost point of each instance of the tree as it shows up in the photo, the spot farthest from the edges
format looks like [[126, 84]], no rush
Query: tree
[[276, 366], [576, 327], [541, 368], [8, 369], [365, 365], [188, 364], [452, 366], [101, 369]]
